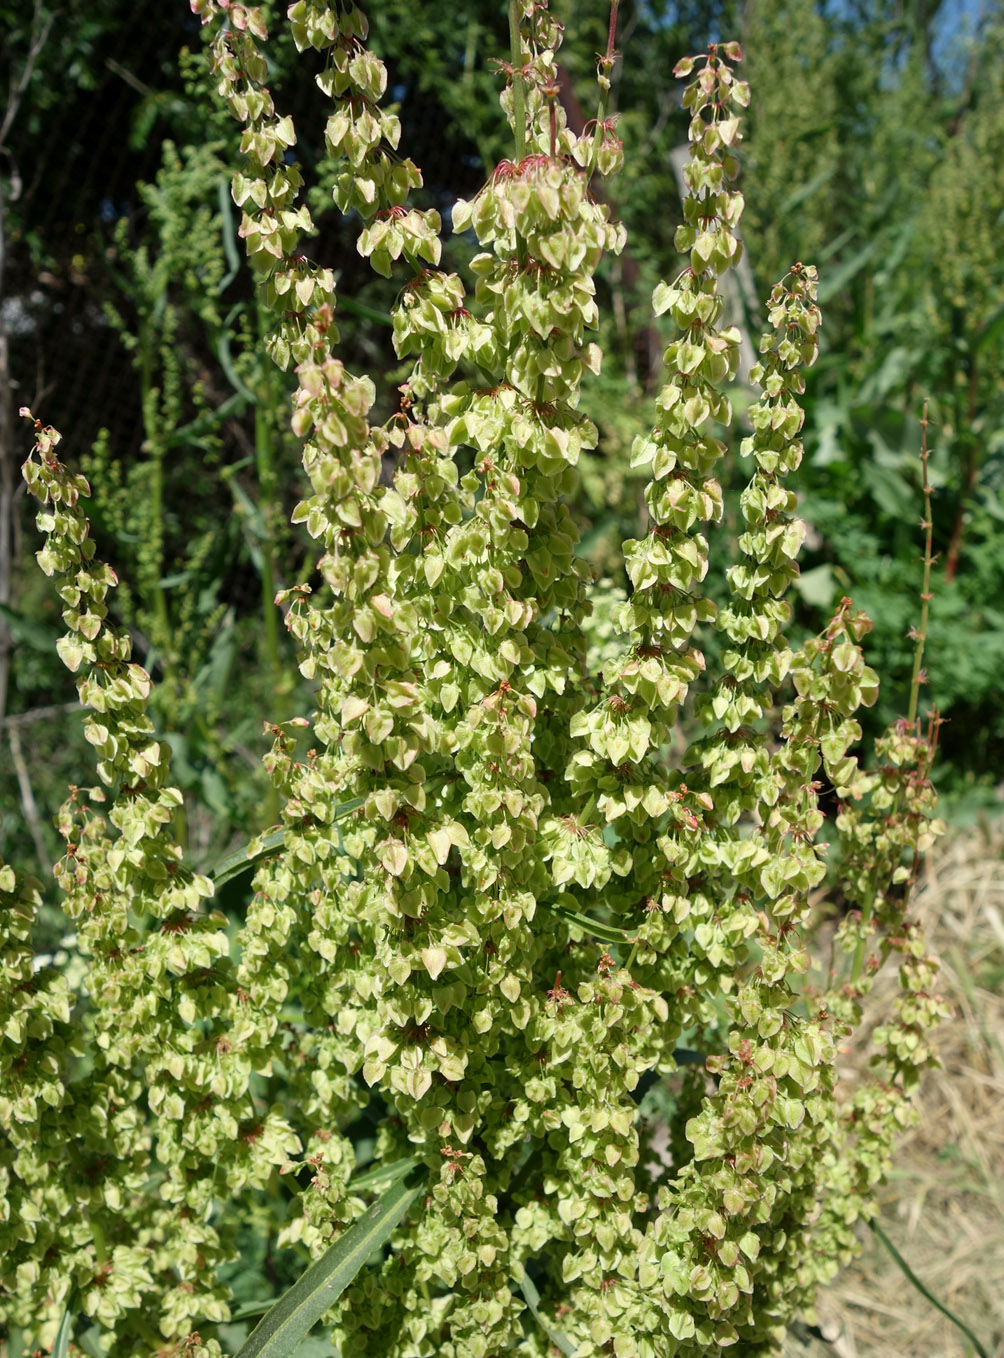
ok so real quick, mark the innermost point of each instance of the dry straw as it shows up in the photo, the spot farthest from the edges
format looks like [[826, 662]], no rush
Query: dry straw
[[943, 1205]]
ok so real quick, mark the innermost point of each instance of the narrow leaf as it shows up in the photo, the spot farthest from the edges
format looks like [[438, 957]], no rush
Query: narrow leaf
[[805, 191], [533, 1301], [27, 630], [61, 1348], [250, 1309], [368, 313], [608, 933], [924, 1291], [241, 859], [89, 1343], [833, 283], [292, 1317], [207, 422], [832, 248], [991, 330], [230, 372], [383, 1174], [229, 234]]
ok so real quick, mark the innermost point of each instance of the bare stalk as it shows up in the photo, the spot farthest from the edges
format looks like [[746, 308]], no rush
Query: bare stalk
[[518, 87], [920, 637], [40, 714], [264, 465], [605, 65], [28, 804]]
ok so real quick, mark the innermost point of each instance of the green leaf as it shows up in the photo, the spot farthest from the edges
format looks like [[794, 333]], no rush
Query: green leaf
[[251, 511], [381, 1175], [662, 298], [190, 434], [291, 1318], [835, 282], [316, 1346], [242, 859], [890, 491], [229, 233], [368, 313], [533, 1301], [231, 373], [29, 631], [61, 1348], [833, 247], [924, 1291], [608, 933], [817, 586], [991, 330], [806, 190], [252, 1308], [88, 1341]]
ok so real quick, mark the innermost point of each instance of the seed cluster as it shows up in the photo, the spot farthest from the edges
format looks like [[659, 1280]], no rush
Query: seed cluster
[[498, 905]]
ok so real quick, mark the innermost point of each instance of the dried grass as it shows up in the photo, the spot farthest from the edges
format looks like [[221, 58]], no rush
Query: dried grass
[[943, 1205]]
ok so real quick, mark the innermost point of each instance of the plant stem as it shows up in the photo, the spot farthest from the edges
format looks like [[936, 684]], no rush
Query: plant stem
[[155, 543], [518, 88], [153, 563], [606, 65], [857, 966], [28, 803], [263, 438], [925, 595], [265, 468], [100, 1249], [612, 32], [918, 660], [971, 477]]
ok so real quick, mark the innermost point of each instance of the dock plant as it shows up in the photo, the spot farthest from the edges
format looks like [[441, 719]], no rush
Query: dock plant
[[537, 913]]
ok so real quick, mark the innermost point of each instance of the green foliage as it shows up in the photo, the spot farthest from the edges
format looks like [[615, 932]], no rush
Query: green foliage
[[869, 158], [163, 511], [289, 1321], [511, 888]]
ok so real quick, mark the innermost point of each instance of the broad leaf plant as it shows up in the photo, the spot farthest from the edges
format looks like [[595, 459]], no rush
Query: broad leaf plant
[[527, 867]]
